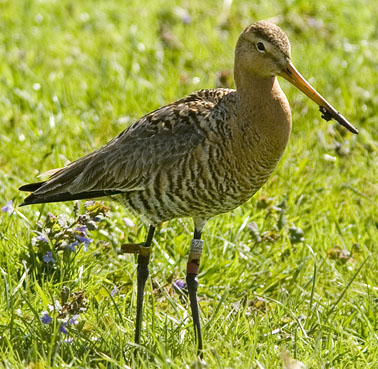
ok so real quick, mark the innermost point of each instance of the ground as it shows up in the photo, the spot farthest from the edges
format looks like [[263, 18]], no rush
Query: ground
[[293, 270]]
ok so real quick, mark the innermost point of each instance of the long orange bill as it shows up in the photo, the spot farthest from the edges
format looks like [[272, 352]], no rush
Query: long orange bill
[[329, 112]]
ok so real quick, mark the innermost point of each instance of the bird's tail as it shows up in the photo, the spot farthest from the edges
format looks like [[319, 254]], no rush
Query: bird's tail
[[59, 197]]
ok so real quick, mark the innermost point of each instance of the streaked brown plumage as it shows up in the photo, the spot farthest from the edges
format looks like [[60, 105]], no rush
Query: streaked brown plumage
[[202, 155]]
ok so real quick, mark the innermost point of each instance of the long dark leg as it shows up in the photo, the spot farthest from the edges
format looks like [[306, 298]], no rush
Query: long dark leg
[[192, 284], [143, 272]]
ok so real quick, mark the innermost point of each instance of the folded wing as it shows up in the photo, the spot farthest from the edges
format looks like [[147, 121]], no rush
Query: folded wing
[[153, 143]]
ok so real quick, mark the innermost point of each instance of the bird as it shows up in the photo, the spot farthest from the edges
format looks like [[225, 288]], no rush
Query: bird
[[200, 156]]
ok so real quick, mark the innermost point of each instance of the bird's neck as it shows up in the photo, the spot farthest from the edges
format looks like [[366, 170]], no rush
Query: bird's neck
[[253, 90], [261, 101], [265, 117]]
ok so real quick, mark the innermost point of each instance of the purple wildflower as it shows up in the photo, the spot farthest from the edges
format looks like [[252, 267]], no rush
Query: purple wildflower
[[41, 237], [85, 240], [72, 245], [82, 229], [62, 328], [46, 318], [128, 222], [114, 291], [8, 207], [89, 203], [73, 320], [183, 14], [186, 19], [179, 284], [48, 258]]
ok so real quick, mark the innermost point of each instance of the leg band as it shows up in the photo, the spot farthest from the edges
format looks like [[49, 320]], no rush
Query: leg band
[[194, 256]]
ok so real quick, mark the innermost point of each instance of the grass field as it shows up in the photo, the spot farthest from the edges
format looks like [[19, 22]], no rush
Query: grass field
[[301, 279]]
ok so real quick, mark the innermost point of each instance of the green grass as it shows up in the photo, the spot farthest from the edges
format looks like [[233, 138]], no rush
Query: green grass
[[73, 74]]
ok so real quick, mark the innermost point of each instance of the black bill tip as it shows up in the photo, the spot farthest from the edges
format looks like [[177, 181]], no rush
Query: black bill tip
[[333, 114]]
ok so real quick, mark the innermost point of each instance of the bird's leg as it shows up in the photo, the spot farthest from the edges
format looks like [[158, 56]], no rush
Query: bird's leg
[[143, 272], [192, 284]]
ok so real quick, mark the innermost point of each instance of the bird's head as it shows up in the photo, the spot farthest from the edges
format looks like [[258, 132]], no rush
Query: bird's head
[[263, 51]]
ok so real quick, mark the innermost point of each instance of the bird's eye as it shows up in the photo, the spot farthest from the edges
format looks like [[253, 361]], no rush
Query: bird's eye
[[260, 47]]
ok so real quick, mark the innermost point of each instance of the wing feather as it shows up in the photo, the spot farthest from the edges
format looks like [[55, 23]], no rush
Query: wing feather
[[127, 163]]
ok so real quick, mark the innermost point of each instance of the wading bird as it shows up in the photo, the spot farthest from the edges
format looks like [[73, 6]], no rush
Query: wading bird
[[197, 157]]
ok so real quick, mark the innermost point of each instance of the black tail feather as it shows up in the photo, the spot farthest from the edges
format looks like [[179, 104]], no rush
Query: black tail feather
[[31, 187], [65, 196]]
